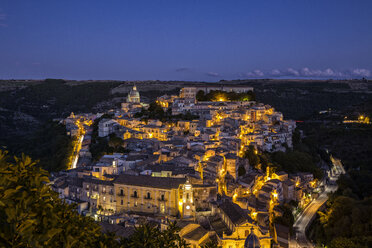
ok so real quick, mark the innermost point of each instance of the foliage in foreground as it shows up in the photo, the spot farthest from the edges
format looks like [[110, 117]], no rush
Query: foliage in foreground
[[148, 236], [32, 215]]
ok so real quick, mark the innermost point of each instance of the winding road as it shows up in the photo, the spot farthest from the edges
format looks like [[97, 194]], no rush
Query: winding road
[[310, 211]]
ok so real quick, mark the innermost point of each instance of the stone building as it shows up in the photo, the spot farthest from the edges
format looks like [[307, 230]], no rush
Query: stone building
[[134, 96]]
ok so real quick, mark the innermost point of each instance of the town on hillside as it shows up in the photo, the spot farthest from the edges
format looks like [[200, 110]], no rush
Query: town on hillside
[[187, 158]]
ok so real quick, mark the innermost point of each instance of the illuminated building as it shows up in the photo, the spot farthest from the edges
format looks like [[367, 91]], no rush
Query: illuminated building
[[240, 226], [133, 96]]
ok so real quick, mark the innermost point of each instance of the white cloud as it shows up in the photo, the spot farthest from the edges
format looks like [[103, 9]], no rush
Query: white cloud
[[255, 73], [275, 72], [182, 69], [309, 73], [293, 72], [361, 72], [213, 74]]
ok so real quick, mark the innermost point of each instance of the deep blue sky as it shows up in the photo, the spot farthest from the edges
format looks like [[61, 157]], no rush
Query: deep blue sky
[[185, 40]]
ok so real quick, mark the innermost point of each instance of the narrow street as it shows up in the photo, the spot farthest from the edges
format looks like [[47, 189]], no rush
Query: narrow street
[[306, 217], [80, 138], [304, 220], [76, 152]]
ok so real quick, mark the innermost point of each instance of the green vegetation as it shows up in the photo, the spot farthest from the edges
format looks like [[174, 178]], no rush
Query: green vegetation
[[148, 236], [151, 95], [218, 95], [211, 244], [49, 144], [351, 143], [241, 171], [54, 98], [252, 156], [300, 159], [346, 221], [287, 218], [300, 101], [295, 161], [103, 145], [155, 111], [32, 215], [26, 114]]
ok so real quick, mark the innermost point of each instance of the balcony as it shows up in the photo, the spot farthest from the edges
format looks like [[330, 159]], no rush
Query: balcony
[[162, 199], [134, 196], [120, 194], [147, 198]]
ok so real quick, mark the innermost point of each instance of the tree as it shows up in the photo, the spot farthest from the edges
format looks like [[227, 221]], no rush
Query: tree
[[287, 219], [32, 215], [115, 141], [253, 158], [241, 171], [295, 161], [149, 236], [200, 95], [211, 244], [342, 243]]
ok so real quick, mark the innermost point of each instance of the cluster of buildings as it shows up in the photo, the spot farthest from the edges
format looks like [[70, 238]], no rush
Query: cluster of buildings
[[192, 171]]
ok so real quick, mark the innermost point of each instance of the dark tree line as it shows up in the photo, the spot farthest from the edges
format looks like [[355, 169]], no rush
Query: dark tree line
[[155, 111], [217, 95]]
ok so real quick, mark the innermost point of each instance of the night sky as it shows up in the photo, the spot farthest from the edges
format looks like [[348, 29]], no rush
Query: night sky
[[185, 40]]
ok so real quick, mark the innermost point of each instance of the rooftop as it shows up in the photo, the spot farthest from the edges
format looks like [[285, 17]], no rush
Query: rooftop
[[149, 181], [235, 213]]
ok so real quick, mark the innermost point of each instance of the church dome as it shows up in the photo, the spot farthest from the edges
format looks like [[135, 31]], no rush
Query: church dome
[[134, 92], [252, 241], [134, 95]]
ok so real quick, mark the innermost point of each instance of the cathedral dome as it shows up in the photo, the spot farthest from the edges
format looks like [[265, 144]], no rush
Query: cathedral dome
[[134, 95], [252, 241], [134, 92]]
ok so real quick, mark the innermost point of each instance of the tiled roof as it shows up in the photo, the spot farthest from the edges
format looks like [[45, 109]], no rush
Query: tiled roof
[[97, 181], [231, 156], [235, 213], [149, 181], [196, 234]]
